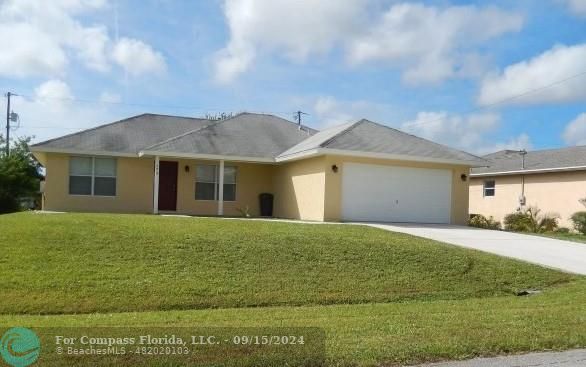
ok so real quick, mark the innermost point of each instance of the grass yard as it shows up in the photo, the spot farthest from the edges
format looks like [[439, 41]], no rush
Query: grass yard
[[382, 297], [574, 237], [80, 263]]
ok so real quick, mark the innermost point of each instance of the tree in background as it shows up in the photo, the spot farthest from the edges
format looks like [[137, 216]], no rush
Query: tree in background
[[19, 174]]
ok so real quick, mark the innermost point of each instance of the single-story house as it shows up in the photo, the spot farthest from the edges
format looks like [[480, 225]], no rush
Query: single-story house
[[553, 180], [360, 171]]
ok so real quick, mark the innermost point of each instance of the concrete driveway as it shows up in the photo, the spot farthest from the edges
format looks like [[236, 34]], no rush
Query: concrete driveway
[[558, 254]]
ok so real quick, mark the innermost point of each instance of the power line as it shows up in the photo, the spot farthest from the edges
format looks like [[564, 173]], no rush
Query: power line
[[296, 113], [502, 101]]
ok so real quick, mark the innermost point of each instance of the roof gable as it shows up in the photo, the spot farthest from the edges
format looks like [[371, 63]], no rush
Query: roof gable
[[370, 137]]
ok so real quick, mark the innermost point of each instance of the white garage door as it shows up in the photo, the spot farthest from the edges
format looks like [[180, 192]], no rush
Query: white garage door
[[396, 194]]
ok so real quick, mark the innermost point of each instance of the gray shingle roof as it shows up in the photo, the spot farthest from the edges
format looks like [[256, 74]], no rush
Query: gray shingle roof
[[371, 137], [244, 135], [261, 136], [126, 136], [511, 160]]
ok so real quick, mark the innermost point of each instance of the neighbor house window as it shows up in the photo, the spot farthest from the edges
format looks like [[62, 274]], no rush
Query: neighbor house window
[[207, 182], [92, 176], [489, 188]]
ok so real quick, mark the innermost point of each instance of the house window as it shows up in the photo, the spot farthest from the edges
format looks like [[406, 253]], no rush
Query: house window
[[207, 182], [489, 188], [92, 176]]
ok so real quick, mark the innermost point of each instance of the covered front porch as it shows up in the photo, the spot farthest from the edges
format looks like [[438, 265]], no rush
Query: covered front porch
[[209, 186]]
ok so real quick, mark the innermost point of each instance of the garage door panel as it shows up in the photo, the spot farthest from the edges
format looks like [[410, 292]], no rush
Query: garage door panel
[[396, 194]]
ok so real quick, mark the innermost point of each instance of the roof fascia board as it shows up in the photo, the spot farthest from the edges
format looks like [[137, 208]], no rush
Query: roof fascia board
[[529, 171], [34, 149], [399, 157], [205, 156]]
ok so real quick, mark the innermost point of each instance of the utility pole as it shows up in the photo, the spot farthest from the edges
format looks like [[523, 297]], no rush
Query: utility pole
[[10, 116], [298, 117]]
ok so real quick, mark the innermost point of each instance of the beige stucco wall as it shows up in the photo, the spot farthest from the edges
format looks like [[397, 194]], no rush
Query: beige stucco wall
[[333, 198], [251, 180], [299, 189], [306, 189], [134, 187], [551, 192]]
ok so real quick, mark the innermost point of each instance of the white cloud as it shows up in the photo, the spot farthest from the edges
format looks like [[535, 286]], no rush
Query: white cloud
[[473, 132], [41, 33], [577, 7], [297, 29], [42, 37], [329, 111], [136, 57], [431, 43], [29, 51], [52, 111], [575, 131], [552, 66]]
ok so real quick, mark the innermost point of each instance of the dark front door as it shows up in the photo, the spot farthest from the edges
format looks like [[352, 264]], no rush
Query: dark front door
[[167, 185]]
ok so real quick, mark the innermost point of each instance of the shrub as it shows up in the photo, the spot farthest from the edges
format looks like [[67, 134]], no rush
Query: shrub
[[562, 230], [518, 222], [480, 221], [530, 220], [579, 220]]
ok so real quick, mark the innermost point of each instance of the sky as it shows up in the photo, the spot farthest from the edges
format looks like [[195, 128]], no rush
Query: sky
[[480, 76]]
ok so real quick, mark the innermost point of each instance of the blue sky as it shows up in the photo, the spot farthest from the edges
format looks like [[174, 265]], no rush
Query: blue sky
[[449, 71]]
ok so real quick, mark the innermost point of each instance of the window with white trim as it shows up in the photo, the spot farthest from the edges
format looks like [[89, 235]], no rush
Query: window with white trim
[[489, 188], [207, 182], [92, 176]]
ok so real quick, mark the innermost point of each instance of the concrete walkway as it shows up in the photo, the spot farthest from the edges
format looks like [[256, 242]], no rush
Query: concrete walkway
[[571, 358], [558, 254]]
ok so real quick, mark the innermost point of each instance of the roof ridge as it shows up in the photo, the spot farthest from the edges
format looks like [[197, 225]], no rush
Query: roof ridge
[[345, 131], [86, 130], [280, 118], [426, 140], [177, 116], [213, 123]]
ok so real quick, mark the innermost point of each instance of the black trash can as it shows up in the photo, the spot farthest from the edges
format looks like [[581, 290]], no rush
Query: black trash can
[[266, 204]]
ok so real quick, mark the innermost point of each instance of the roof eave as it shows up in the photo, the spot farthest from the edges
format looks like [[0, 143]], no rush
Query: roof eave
[[233, 158], [400, 157], [529, 171], [41, 149]]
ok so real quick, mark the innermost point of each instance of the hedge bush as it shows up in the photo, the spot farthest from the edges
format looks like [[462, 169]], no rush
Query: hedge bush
[[480, 221], [579, 221]]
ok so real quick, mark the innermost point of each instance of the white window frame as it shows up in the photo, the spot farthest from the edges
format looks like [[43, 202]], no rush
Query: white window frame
[[217, 182], [493, 188], [93, 176]]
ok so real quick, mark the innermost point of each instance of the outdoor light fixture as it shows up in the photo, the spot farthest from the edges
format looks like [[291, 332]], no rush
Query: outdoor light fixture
[[334, 168], [464, 177], [186, 168]]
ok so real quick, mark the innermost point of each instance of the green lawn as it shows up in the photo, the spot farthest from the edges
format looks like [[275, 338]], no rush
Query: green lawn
[[403, 332], [79, 263], [380, 296], [574, 237]]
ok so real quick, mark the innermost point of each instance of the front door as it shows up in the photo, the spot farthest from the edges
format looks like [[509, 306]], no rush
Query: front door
[[167, 185]]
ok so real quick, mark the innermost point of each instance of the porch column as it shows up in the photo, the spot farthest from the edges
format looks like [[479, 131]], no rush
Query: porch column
[[221, 189], [156, 187]]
